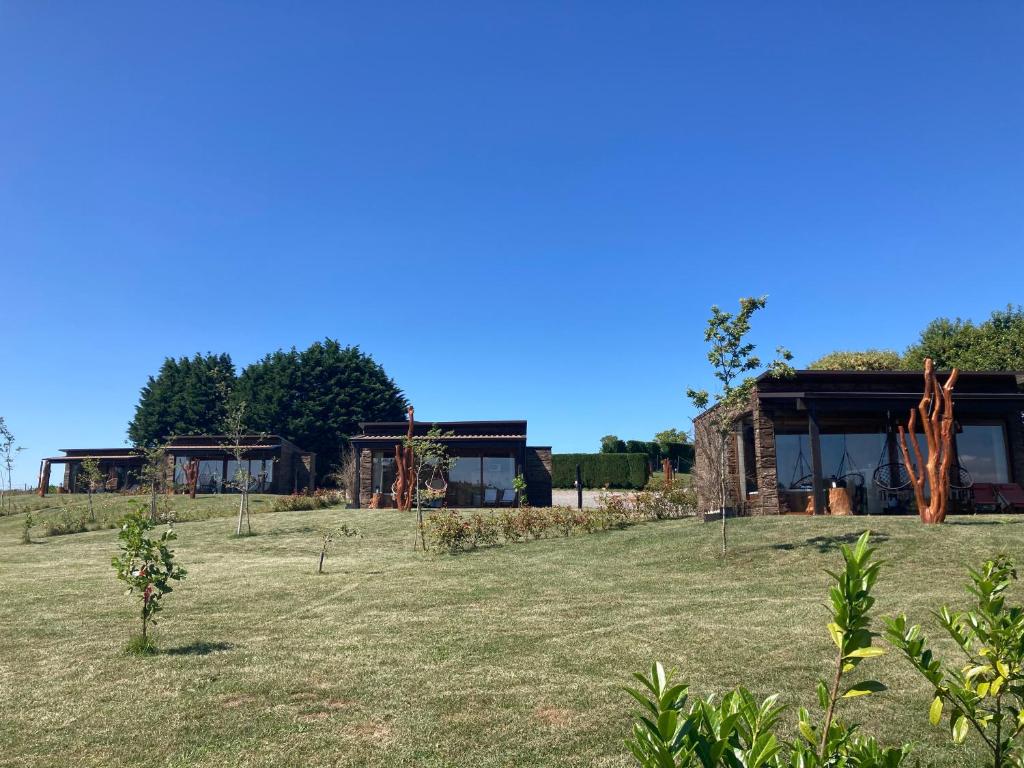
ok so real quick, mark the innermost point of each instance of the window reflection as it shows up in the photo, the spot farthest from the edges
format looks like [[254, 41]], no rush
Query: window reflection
[[981, 449]]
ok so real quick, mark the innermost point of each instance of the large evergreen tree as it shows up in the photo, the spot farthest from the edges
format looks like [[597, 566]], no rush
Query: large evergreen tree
[[317, 397], [185, 398]]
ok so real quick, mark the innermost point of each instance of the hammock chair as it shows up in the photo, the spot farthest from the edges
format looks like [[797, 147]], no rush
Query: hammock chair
[[806, 480], [436, 485], [890, 479], [846, 476]]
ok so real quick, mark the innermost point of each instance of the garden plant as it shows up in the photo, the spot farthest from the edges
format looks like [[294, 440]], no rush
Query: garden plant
[[740, 731], [985, 693], [147, 567]]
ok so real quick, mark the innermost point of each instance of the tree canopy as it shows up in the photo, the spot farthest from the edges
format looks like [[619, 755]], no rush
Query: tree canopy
[[612, 444], [317, 397], [997, 344], [868, 360], [186, 397]]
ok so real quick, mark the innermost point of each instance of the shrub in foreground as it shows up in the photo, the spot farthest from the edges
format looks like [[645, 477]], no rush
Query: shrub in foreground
[[671, 732], [985, 693], [146, 566]]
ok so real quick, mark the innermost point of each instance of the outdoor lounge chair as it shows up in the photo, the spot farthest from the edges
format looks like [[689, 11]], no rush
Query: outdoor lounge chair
[[508, 497], [490, 495], [984, 497], [1011, 495]]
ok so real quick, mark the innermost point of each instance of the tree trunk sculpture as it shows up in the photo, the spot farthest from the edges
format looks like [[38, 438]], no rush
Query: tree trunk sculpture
[[191, 471], [936, 412], [405, 470]]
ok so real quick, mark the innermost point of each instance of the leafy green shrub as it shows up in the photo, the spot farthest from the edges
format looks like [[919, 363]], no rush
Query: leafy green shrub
[[986, 694], [600, 470], [742, 732], [301, 502], [146, 565], [26, 529], [68, 521]]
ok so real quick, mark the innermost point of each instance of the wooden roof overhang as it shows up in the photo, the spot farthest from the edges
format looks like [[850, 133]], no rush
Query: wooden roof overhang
[[79, 458], [970, 402]]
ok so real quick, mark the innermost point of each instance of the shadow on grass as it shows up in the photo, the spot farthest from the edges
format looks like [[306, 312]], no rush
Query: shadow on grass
[[982, 521], [826, 544], [198, 648]]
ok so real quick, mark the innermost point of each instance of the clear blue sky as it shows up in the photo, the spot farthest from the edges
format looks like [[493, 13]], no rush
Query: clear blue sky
[[522, 210]]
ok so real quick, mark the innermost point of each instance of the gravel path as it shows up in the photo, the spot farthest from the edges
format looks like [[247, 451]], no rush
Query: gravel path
[[566, 497]]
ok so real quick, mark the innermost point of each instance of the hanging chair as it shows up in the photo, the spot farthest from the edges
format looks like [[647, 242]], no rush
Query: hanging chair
[[802, 470], [891, 478], [961, 484]]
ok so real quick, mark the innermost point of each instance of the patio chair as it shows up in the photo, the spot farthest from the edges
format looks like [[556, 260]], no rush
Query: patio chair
[[984, 497], [508, 497], [490, 496], [1011, 495]]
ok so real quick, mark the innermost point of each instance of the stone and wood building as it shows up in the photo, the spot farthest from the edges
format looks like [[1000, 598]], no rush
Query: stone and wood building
[[274, 465], [487, 457], [827, 441]]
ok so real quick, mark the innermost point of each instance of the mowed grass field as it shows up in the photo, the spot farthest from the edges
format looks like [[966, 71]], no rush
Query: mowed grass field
[[512, 656]]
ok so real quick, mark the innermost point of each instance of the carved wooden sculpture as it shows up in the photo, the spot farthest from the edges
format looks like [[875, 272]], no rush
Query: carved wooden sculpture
[[936, 412], [191, 470], [405, 470]]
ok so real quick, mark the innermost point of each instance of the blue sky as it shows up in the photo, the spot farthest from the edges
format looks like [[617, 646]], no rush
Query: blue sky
[[522, 210]]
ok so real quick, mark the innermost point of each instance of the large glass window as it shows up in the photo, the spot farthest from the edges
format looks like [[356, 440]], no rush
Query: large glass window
[[982, 452], [848, 459], [498, 474], [383, 473], [211, 476], [464, 482]]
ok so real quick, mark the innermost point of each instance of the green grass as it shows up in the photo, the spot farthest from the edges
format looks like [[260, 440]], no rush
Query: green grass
[[109, 508], [507, 656]]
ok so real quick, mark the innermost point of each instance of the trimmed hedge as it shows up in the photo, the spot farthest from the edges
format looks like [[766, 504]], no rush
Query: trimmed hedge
[[615, 470]]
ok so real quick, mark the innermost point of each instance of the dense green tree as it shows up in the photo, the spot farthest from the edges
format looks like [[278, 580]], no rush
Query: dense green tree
[[317, 397], [868, 360], [612, 444], [997, 344], [186, 397]]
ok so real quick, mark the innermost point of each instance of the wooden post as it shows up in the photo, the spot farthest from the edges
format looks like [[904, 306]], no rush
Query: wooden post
[[579, 487], [819, 484], [44, 477]]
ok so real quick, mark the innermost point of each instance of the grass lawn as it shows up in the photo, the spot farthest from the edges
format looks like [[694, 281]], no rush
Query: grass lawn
[[509, 656]]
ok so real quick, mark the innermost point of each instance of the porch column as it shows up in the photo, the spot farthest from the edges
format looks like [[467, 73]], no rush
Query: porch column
[[819, 484], [44, 477], [358, 479], [764, 460]]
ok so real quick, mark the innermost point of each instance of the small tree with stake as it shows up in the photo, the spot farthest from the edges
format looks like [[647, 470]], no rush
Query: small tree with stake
[[93, 478], [7, 453], [430, 465], [235, 423], [732, 356], [146, 565]]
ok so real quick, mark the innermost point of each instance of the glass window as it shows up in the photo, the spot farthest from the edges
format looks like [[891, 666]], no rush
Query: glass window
[[982, 452], [499, 472], [180, 462], [383, 473], [211, 476], [464, 482]]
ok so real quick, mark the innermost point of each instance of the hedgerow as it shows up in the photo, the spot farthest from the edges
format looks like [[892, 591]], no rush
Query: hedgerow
[[600, 470]]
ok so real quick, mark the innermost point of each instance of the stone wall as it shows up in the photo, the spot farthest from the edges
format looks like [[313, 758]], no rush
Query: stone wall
[[706, 463], [767, 470], [365, 477], [538, 475]]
